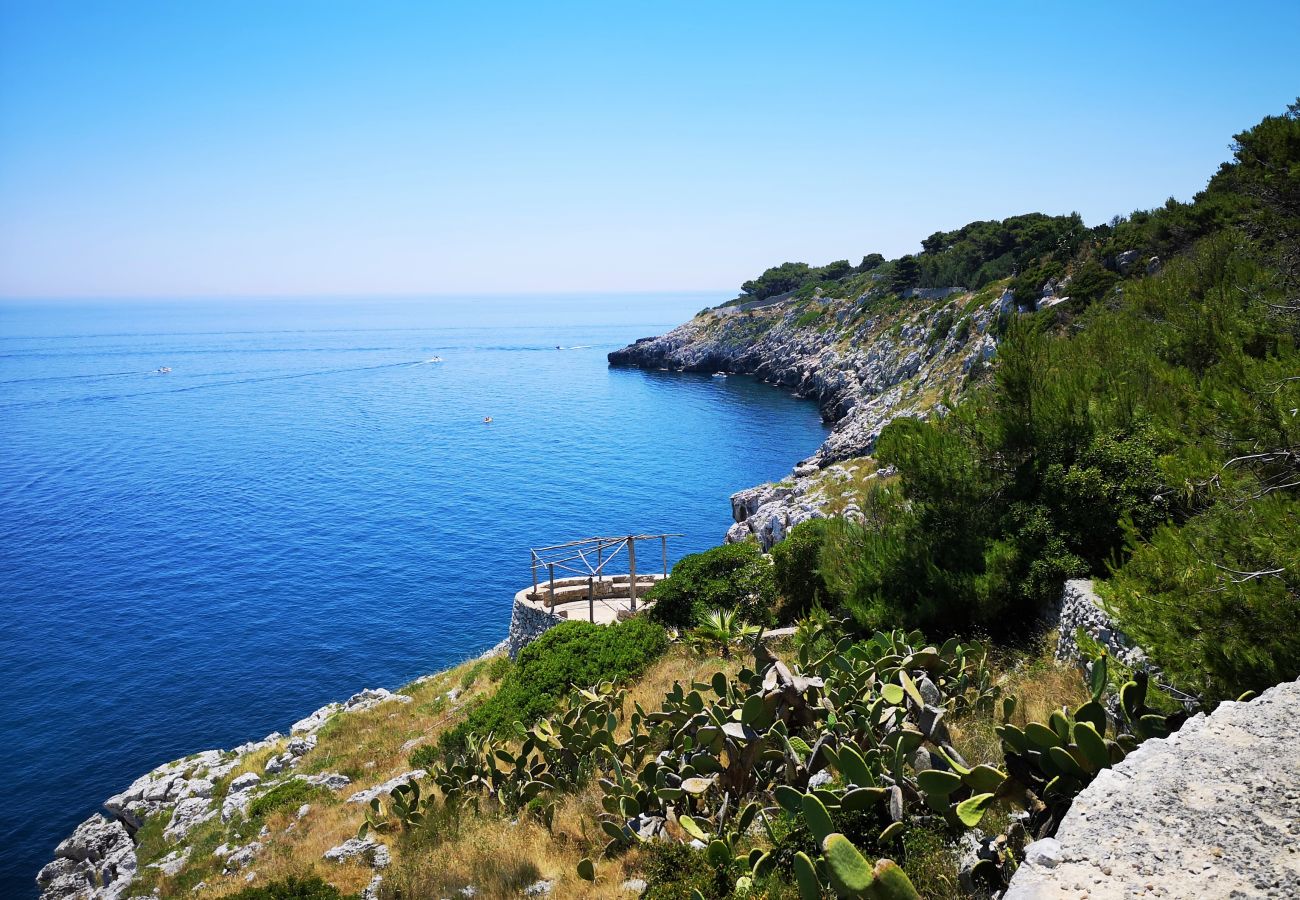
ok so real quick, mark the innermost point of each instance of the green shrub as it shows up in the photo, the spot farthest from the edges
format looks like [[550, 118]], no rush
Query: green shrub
[[292, 793], [1091, 283], [571, 654], [291, 888], [942, 325], [498, 667], [809, 317], [471, 675], [425, 757], [676, 871], [733, 576], [1191, 596], [796, 572]]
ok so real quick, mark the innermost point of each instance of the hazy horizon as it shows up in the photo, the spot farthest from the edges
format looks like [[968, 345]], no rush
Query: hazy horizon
[[163, 151]]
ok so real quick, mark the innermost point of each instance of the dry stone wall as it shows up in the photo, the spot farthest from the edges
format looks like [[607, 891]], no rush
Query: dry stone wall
[[527, 624], [1081, 608]]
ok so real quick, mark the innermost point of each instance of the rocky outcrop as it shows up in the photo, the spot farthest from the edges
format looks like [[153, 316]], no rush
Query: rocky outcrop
[[380, 790], [1211, 811], [97, 862], [862, 369], [368, 849]]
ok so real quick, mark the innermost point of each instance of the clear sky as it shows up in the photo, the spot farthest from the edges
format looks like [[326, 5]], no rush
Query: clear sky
[[218, 148]]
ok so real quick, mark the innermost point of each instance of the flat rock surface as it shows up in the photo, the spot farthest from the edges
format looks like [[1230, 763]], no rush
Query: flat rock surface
[[1212, 811]]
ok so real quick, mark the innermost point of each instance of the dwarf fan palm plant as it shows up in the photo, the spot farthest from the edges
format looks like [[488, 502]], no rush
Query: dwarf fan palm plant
[[720, 629]]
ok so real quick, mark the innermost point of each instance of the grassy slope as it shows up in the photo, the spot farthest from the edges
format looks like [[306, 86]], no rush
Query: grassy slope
[[500, 857]]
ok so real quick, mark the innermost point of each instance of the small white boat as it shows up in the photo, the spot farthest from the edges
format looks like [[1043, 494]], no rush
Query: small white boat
[[163, 370], [719, 374], [487, 420], [435, 359]]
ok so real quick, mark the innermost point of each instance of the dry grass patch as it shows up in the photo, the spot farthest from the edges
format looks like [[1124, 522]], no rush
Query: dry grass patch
[[1040, 685], [367, 746]]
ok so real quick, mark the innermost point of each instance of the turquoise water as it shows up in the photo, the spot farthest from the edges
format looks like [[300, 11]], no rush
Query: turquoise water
[[305, 506]]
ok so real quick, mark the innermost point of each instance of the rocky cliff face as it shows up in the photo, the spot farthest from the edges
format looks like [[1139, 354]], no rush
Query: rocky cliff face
[[864, 360]]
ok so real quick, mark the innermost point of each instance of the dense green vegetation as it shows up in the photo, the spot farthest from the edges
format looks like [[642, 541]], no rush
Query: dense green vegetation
[[1156, 438], [982, 252], [796, 572], [792, 275], [571, 653], [291, 794], [730, 577], [291, 889], [1034, 246]]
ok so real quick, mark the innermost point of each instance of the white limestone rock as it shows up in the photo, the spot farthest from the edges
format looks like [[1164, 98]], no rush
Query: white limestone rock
[[242, 856], [335, 781], [96, 862], [380, 790], [171, 864], [189, 813], [313, 723]]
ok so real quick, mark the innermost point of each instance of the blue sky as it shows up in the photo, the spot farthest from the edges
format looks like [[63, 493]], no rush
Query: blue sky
[[227, 148]]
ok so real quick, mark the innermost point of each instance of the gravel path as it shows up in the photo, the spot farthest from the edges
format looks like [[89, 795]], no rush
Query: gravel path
[[1213, 811]]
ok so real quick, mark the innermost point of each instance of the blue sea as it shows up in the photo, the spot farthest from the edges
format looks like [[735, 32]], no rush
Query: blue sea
[[306, 505]]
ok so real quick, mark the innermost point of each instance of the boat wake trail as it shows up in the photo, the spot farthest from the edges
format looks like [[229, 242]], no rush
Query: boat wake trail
[[187, 388]]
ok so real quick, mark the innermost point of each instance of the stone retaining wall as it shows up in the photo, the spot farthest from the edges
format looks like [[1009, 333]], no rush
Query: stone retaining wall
[[527, 623], [1082, 608]]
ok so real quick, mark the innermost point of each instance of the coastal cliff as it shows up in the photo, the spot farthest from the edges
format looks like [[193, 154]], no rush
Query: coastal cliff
[[864, 360]]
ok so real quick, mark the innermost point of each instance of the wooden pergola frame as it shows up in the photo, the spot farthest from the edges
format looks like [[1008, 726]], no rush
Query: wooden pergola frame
[[577, 557]]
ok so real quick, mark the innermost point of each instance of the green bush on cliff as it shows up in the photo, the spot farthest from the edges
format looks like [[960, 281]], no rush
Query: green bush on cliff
[[291, 888], [572, 653], [1215, 600], [733, 576], [292, 793], [796, 572]]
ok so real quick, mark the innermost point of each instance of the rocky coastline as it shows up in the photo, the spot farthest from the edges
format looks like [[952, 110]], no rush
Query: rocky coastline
[[864, 363], [98, 860]]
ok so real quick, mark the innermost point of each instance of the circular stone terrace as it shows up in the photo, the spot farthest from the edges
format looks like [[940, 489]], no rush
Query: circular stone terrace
[[581, 581], [603, 599]]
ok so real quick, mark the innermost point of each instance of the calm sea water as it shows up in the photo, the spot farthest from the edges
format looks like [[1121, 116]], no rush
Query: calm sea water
[[305, 506]]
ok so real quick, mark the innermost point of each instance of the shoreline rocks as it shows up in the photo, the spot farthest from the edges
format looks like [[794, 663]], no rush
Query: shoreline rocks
[[96, 861]]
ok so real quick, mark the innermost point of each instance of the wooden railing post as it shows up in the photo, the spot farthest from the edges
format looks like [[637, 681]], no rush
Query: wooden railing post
[[591, 600], [551, 567], [631, 564], [663, 538]]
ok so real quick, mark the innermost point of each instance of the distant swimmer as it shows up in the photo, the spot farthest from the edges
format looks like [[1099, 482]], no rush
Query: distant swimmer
[[487, 420]]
